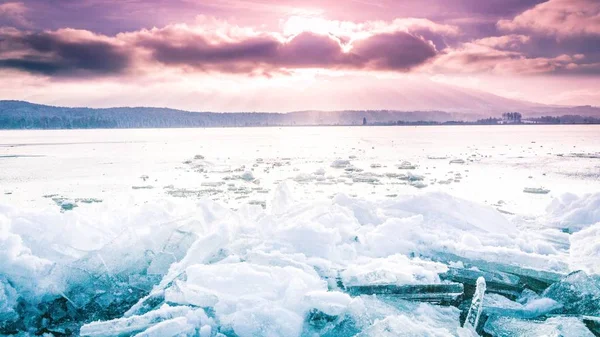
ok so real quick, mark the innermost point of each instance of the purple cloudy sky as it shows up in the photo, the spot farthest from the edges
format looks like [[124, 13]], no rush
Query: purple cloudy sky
[[255, 54]]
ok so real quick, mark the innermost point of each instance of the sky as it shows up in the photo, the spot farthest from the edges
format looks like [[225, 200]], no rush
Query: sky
[[288, 55]]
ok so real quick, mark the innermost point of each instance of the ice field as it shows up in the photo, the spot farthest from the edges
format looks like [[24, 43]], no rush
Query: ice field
[[325, 231]]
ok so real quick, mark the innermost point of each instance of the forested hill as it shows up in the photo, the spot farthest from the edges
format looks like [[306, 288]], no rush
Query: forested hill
[[24, 115]]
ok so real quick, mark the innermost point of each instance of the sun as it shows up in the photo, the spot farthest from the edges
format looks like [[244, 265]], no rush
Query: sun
[[297, 24]]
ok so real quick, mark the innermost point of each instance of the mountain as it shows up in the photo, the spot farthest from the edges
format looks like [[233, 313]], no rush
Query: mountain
[[25, 115]]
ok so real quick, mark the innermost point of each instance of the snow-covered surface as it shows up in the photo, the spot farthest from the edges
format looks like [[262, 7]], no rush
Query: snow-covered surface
[[250, 232]]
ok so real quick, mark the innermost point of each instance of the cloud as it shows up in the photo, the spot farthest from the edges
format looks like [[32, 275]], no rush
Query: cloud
[[210, 45], [561, 18], [501, 55], [14, 13], [66, 52], [398, 51], [215, 46]]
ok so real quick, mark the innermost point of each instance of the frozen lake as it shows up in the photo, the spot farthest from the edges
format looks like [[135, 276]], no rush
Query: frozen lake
[[287, 231], [499, 162]]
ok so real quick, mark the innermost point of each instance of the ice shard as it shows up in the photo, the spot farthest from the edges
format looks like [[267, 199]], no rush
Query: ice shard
[[443, 293], [472, 320], [133, 324]]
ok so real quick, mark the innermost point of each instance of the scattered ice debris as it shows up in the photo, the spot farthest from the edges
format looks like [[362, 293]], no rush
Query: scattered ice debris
[[303, 178], [411, 177], [369, 178], [212, 183], [319, 172], [406, 165], [352, 168], [583, 155], [65, 204], [260, 203], [145, 187], [418, 184], [445, 182], [536, 190], [199, 193], [340, 163], [248, 176], [457, 161]]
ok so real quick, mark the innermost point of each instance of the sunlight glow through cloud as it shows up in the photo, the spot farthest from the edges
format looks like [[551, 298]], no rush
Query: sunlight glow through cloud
[[301, 46]]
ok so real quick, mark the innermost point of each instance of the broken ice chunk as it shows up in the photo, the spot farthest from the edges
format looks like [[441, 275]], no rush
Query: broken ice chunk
[[174, 327], [65, 204], [411, 177], [445, 293], [536, 190], [247, 176], [500, 305], [378, 318], [535, 279], [499, 326], [366, 178], [8, 303], [401, 325], [498, 282], [418, 184], [340, 163], [593, 323], [133, 324], [406, 165], [578, 292]]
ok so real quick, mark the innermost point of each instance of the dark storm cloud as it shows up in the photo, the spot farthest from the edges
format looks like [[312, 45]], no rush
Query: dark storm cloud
[[394, 51], [399, 51], [62, 53]]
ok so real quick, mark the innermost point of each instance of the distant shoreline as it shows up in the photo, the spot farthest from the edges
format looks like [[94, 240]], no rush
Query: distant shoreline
[[18, 115], [299, 126]]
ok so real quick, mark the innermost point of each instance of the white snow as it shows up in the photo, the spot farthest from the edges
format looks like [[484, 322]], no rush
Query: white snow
[[574, 212]]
